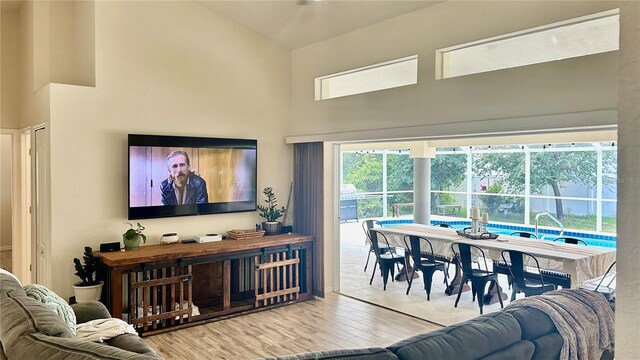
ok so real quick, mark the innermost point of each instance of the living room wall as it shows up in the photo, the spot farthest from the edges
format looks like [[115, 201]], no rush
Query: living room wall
[[467, 103], [9, 60], [167, 68]]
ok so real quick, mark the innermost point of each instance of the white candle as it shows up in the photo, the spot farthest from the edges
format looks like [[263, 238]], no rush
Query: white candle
[[485, 218], [475, 213]]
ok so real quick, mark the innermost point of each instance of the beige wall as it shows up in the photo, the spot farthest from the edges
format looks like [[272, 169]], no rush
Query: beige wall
[[169, 68], [32, 102], [9, 63], [573, 85], [64, 49], [627, 310]]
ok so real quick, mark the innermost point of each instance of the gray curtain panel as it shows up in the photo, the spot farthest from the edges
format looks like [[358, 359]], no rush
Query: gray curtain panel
[[308, 203]]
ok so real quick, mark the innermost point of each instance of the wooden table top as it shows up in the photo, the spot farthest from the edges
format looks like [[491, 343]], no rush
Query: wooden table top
[[171, 252]]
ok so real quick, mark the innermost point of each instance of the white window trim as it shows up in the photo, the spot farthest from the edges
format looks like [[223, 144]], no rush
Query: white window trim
[[318, 80], [440, 53]]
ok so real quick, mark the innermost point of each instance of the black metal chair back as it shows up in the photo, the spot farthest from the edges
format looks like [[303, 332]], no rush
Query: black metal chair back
[[524, 234], [517, 266], [416, 249], [443, 225], [370, 224], [570, 240], [376, 238], [464, 255]]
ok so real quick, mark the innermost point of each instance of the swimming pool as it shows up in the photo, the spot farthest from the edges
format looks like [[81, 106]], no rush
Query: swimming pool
[[606, 241]]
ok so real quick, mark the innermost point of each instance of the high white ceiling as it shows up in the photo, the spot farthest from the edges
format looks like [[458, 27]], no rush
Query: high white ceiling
[[296, 23]]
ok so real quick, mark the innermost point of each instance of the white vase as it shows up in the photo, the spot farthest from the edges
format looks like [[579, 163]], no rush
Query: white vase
[[87, 293], [271, 227]]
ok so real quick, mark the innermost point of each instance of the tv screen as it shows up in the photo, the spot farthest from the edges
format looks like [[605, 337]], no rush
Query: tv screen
[[179, 176]]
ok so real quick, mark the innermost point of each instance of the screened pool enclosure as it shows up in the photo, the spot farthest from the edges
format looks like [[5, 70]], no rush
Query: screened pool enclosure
[[574, 182]]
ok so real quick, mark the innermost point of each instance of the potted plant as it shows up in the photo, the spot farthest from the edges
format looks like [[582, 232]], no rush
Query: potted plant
[[87, 289], [131, 238], [271, 213]]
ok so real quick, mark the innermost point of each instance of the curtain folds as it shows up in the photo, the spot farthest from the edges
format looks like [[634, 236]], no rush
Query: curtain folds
[[308, 201]]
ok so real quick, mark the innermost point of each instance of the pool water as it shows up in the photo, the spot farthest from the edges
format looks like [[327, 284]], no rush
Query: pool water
[[599, 240]]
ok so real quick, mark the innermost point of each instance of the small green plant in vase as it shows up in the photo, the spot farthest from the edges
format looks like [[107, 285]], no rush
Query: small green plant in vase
[[271, 213], [88, 288], [131, 238]]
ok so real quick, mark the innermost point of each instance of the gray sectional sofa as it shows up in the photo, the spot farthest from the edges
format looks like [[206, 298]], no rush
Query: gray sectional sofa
[[30, 330], [519, 333]]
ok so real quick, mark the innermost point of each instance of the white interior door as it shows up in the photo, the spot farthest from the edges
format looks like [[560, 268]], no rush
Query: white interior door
[[41, 205], [25, 259]]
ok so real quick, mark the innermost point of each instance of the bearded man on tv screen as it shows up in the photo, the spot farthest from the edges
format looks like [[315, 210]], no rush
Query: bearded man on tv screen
[[182, 186]]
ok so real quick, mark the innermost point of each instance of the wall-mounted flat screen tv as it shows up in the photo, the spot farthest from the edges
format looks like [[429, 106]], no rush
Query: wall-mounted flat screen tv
[[180, 176]]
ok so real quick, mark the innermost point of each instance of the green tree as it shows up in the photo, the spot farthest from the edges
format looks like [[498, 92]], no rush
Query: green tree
[[554, 169], [447, 173], [399, 172], [493, 202], [558, 168], [363, 170], [508, 167]]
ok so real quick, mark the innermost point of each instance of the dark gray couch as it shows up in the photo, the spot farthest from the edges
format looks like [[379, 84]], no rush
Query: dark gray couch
[[520, 333], [30, 330]]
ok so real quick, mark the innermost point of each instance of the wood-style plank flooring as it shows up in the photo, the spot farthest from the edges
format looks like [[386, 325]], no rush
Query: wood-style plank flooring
[[335, 322]]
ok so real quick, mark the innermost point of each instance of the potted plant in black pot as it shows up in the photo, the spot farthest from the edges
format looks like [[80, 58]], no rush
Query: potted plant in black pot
[[131, 238], [87, 289], [271, 213]]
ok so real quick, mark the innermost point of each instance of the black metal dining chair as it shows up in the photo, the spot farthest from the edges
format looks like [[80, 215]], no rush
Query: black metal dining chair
[[524, 234], [424, 261], [519, 269], [366, 226], [478, 277], [386, 260], [570, 240]]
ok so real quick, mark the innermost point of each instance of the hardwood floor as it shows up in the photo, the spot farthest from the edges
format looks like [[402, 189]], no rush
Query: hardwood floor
[[5, 260], [336, 322]]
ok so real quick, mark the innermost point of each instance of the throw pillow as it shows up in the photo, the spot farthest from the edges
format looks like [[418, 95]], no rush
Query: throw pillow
[[3, 271], [54, 302]]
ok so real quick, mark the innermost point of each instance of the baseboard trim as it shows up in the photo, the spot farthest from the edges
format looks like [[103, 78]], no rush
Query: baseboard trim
[[5, 248]]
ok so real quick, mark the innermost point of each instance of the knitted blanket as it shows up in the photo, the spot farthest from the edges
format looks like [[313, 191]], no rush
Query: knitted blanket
[[103, 329], [583, 318], [53, 302]]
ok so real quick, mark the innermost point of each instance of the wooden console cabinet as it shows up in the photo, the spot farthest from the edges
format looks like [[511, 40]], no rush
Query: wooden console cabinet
[[156, 287]]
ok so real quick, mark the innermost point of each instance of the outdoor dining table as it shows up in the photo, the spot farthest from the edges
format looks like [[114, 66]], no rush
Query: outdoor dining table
[[579, 263]]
